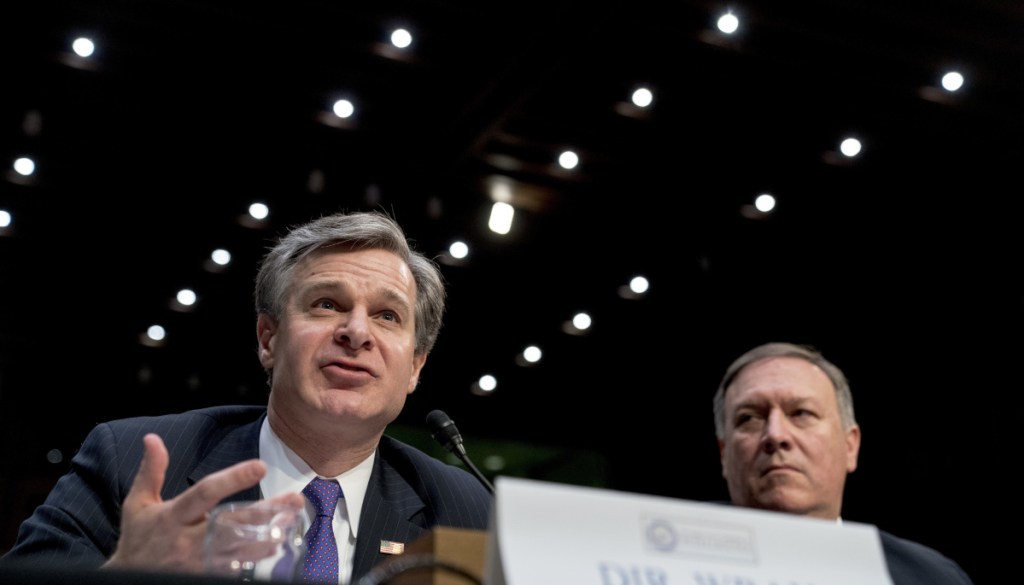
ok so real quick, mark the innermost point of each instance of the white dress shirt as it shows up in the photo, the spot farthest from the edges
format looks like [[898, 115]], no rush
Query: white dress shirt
[[287, 472]]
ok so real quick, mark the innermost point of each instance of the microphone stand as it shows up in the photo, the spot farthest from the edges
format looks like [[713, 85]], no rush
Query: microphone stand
[[460, 452], [444, 432]]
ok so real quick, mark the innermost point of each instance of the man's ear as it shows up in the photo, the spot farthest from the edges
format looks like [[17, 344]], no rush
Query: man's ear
[[721, 455], [417, 366], [852, 448], [266, 330]]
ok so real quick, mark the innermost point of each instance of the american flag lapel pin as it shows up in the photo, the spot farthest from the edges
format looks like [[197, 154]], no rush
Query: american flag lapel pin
[[390, 547]]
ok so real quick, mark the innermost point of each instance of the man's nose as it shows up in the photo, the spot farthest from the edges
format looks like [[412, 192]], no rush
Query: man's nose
[[354, 329], [776, 432]]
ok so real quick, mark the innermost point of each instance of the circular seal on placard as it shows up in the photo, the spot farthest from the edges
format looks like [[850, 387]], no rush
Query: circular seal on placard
[[660, 535]]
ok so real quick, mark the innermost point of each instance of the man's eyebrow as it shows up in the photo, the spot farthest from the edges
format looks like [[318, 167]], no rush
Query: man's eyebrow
[[749, 403], [394, 296], [804, 401]]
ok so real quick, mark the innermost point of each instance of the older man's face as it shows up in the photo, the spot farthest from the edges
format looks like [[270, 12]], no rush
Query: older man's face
[[785, 448]]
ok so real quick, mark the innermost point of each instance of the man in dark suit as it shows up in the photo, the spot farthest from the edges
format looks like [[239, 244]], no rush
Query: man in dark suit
[[346, 316], [787, 438]]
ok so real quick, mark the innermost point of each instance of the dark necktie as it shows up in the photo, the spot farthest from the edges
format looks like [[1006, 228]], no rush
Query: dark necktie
[[321, 564]]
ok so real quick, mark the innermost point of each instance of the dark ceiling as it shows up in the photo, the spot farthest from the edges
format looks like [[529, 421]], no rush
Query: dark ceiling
[[902, 264]]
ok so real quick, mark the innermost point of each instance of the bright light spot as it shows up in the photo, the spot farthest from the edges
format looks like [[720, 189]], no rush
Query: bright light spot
[[501, 191], [5, 218], [83, 47], [500, 221], [488, 382], [581, 321], [343, 108], [639, 284], [643, 97], [458, 250], [568, 159], [25, 166], [401, 38], [156, 332], [259, 211], [728, 23], [764, 202], [532, 354], [952, 81], [187, 297], [221, 256], [850, 147]]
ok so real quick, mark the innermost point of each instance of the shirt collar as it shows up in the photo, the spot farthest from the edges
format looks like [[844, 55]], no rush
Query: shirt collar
[[287, 472]]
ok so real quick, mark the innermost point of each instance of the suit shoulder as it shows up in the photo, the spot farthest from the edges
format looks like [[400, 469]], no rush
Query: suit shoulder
[[214, 416], [418, 466], [912, 562], [181, 432], [395, 451], [437, 492]]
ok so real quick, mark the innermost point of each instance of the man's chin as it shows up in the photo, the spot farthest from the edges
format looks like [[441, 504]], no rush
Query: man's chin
[[788, 500]]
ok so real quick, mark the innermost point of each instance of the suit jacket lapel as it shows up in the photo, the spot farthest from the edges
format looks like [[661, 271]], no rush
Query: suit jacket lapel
[[391, 512], [238, 445]]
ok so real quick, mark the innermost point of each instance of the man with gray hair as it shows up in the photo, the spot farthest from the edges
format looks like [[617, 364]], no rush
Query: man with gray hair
[[346, 314], [787, 438]]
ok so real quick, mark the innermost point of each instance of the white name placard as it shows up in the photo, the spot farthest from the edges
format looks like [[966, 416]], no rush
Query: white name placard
[[545, 533]]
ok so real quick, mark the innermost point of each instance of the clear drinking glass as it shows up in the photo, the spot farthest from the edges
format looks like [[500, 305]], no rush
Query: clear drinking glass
[[256, 540]]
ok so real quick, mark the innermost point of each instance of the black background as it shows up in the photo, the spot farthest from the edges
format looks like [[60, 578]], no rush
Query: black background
[[902, 265]]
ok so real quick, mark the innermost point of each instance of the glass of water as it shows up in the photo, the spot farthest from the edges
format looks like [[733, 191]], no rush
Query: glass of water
[[256, 540]]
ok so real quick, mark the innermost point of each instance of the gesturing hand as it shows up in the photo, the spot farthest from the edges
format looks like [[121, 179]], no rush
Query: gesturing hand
[[168, 535]]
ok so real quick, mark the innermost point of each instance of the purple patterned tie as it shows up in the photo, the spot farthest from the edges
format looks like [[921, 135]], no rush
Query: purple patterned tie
[[321, 564]]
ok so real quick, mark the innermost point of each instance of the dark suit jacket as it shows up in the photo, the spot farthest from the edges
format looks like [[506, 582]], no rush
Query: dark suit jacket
[[409, 492], [911, 563]]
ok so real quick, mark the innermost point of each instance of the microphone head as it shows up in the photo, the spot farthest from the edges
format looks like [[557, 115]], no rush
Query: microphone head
[[438, 419], [443, 431]]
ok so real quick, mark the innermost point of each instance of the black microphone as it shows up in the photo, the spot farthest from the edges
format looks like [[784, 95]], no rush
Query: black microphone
[[444, 432]]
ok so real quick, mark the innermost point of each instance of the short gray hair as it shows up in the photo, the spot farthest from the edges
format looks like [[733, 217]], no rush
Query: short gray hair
[[369, 230], [844, 398]]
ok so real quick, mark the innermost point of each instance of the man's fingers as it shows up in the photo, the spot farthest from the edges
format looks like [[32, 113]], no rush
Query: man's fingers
[[149, 479], [194, 503], [293, 499], [155, 533]]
